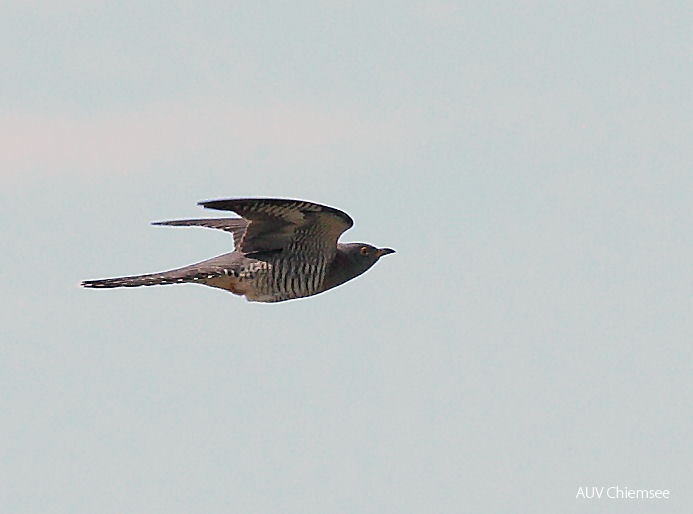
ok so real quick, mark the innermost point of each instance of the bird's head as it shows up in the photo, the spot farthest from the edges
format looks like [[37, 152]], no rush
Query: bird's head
[[352, 260], [363, 254]]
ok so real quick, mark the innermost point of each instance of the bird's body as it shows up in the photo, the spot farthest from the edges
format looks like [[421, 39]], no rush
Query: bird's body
[[284, 249]]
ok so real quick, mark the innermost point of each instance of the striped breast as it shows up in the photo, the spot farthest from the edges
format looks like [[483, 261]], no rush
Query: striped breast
[[291, 274]]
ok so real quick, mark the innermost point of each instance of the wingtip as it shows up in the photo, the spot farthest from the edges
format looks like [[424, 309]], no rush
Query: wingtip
[[222, 204]]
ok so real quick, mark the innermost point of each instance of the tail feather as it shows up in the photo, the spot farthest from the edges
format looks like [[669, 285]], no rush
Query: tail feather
[[228, 265], [152, 279]]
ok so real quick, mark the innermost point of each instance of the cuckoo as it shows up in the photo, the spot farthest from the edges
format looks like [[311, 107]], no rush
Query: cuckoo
[[283, 249]]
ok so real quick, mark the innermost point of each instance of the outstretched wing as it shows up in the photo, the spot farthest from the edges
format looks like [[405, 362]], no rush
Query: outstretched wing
[[236, 226], [276, 224]]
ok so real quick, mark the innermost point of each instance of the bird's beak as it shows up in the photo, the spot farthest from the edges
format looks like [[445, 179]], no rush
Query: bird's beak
[[383, 251]]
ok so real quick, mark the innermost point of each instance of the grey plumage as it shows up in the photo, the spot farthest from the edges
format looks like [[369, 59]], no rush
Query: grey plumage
[[283, 249]]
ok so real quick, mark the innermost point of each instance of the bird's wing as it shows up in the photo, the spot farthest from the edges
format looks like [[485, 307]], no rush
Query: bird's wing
[[236, 226], [275, 224]]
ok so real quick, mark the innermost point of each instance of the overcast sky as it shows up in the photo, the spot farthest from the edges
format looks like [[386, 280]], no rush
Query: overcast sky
[[529, 161]]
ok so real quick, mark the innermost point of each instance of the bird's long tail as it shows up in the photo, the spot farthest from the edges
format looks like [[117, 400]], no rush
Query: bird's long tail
[[202, 272], [152, 279]]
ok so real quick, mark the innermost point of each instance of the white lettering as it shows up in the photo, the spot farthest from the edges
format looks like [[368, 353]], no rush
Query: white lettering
[[616, 492], [589, 492]]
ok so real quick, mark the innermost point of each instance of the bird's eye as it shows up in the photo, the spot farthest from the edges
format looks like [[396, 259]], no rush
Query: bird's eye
[[364, 250]]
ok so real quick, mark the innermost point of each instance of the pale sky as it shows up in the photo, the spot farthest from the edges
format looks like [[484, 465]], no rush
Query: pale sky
[[529, 161]]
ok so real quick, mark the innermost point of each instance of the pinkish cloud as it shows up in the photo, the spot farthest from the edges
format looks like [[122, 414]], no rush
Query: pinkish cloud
[[38, 142]]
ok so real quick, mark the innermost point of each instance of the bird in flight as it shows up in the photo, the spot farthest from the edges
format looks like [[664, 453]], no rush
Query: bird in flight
[[283, 249]]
